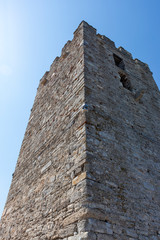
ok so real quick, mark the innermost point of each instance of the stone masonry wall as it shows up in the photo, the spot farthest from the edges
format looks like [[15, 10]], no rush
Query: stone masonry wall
[[89, 164]]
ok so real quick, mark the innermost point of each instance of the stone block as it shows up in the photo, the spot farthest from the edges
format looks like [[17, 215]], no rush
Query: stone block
[[79, 178]]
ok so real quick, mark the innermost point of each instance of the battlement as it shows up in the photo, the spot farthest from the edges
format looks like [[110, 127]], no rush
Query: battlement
[[105, 40]]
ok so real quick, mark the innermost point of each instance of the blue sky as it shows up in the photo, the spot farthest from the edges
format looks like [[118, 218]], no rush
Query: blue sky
[[32, 34]]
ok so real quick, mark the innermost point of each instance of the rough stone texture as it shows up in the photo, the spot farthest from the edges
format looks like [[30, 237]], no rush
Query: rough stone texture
[[90, 159]]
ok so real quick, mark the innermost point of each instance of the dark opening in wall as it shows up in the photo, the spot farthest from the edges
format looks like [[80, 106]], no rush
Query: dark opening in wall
[[119, 62], [125, 82]]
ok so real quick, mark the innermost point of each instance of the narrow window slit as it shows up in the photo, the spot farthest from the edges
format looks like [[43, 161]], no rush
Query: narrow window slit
[[125, 82], [119, 62]]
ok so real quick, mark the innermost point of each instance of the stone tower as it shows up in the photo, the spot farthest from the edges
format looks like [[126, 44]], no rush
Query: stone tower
[[89, 164]]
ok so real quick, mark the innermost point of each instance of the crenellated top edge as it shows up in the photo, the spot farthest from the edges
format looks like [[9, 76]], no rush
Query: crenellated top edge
[[106, 40], [66, 47], [83, 26], [125, 52], [137, 61]]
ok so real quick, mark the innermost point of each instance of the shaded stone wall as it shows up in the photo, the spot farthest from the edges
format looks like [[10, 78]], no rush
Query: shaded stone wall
[[123, 139], [89, 164]]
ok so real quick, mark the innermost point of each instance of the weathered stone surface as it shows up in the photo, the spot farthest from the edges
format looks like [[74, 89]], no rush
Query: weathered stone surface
[[79, 178], [122, 141], [46, 166], [89, 164]]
